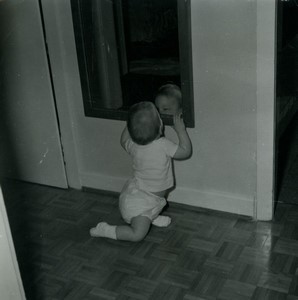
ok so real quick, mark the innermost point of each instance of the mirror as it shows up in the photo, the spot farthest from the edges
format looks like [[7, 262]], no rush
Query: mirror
[[128, 49]]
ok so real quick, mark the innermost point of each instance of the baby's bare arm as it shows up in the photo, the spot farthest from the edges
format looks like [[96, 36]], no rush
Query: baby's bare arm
[[124, 136], [184, 150]]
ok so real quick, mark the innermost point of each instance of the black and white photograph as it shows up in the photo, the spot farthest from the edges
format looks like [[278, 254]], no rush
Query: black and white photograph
[[149, 149]]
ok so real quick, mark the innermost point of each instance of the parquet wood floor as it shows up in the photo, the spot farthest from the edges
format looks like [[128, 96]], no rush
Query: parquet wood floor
[[203, 254]]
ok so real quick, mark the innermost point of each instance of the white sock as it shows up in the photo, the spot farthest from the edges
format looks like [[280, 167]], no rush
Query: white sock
[[103, 229], [162, 221]]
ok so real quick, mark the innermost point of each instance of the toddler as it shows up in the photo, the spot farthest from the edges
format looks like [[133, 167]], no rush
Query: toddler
[[143, 196], [168, 99]]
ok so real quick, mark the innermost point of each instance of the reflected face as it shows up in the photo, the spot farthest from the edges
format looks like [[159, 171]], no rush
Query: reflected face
[[167, 105]]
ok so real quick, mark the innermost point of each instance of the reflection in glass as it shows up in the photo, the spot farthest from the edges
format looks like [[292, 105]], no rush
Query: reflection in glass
[[127, 49]]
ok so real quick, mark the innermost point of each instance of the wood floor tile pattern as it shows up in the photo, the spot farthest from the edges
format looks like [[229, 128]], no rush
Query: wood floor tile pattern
[[203, 254]]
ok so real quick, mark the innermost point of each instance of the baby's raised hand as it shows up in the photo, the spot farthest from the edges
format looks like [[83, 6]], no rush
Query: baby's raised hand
[[178, 122]]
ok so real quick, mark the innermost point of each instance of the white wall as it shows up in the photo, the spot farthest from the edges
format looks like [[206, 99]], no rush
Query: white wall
[[222, 173]]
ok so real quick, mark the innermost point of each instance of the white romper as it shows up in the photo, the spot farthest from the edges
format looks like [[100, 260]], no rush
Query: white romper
[[152, 166]]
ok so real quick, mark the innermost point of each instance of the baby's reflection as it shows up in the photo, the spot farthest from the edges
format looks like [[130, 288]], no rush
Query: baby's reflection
[[168, 99]]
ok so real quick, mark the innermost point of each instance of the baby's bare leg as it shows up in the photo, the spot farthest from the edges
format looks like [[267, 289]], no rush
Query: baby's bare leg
[[136, 231]]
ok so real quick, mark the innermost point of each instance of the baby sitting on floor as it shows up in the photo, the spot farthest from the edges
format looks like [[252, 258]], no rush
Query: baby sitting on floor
[[144, 196]]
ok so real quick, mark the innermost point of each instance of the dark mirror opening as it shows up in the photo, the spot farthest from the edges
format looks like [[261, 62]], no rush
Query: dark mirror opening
[[127, 49]]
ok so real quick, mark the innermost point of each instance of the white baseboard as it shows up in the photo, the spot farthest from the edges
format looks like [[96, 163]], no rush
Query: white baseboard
[[211, 200], [102, 182]]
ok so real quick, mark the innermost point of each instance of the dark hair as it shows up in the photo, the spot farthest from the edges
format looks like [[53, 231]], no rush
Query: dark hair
[[170, 90], [143, 123]]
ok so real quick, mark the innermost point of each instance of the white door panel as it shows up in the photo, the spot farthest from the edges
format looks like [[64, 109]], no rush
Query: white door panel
[[30, 145]]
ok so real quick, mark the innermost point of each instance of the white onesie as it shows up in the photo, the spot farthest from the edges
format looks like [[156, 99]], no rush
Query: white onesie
[[152, 165]]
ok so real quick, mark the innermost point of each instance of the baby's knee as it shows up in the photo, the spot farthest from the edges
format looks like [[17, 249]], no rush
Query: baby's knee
[[140, 226], [138, 236]]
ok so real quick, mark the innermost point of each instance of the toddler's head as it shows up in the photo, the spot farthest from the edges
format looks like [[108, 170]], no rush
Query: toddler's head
[[144, 123], [169, 99]]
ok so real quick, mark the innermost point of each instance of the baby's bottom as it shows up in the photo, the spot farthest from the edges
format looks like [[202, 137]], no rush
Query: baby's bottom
[[134, 202]]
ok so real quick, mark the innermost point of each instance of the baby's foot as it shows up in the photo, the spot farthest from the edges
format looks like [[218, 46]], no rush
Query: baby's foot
[[103, 229], [162, 221], [99, 230]]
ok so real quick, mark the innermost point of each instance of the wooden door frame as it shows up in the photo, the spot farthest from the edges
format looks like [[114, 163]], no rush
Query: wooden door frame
[[266, 76], [11, 286]]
